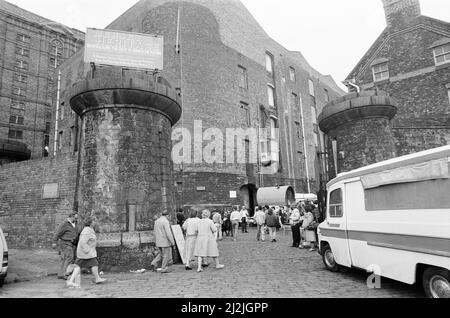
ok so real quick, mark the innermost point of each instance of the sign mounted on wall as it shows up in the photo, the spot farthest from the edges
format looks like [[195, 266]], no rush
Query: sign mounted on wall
[[126, 49]]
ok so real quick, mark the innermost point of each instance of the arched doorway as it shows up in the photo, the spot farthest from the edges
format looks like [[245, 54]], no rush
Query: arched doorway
[[248, 195]]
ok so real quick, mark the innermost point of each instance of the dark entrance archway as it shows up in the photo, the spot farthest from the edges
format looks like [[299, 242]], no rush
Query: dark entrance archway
[[248, 195]]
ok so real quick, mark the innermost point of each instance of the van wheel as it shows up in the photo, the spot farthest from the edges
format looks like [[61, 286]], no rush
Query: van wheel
[[436, 282], [329, 260]]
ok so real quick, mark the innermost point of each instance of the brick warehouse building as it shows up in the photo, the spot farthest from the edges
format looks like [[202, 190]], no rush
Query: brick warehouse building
[[32, 48], [411, 62], [230, 74]]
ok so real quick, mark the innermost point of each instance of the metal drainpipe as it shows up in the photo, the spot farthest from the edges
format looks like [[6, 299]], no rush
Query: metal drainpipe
[[352, 83], [58, 94]]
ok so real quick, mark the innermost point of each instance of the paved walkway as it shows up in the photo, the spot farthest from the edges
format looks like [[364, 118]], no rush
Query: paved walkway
[[253, 270]]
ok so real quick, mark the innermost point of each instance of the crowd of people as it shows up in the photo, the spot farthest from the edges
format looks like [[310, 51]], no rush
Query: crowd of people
[[77, 244]]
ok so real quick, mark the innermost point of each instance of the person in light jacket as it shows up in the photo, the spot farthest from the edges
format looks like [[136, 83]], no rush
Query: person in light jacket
[[86, 250], [164, 241], [206, 244], [190, 228]]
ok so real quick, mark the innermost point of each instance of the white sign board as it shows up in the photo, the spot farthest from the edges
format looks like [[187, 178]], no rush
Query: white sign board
[[179, 239], [126, 49], [233, 194]]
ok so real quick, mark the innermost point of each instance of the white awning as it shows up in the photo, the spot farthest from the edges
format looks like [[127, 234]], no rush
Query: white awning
[[431, 170]]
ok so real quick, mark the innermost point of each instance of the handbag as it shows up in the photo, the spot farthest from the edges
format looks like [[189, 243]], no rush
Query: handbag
[[278, 225]]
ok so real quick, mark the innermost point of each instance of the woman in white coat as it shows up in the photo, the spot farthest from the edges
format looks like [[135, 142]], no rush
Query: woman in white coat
[[190, 227], [206, 244]]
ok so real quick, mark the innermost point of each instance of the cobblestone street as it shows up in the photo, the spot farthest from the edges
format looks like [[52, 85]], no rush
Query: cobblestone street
[[253, 270]]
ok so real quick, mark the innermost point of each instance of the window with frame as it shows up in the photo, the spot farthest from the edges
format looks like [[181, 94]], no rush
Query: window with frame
[[442, 54], [273, 128], [271, 94], [314, 115], [380, 72], [56, 48], [269, 62], [16, 105], [22, 64], [243, 79], [336, 204], [292, 74], [46, 145], [60, 140], [15, 119], [18, 91], [294, 102], [22, 51], [20, 78], [23, 38], [246, 109], [327, 95], [15, 134], [312, 91], [54, 62]]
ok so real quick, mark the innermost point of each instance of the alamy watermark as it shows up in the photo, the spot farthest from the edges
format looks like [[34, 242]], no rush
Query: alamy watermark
[[225, 146]]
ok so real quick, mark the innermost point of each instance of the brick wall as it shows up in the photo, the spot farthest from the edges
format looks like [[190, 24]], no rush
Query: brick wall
[[38, 90], [30, 220], [416, 83]]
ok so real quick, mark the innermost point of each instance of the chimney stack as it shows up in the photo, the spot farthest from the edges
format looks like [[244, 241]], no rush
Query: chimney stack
[[401, 13]]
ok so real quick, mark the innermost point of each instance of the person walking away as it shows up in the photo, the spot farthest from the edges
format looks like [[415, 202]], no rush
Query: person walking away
[[190, 228], [235, 218], [206, 244], [271, 222], [217, 219], [260, 218], [295, 222], [164, 241], [244, 214], [180, 217], [87, 250], [65, 239]]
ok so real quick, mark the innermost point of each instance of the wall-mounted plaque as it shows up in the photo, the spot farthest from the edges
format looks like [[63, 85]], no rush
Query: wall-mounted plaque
[[51, 191]]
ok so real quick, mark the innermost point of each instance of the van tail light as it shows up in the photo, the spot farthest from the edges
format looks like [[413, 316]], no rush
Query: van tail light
[[5, 259]]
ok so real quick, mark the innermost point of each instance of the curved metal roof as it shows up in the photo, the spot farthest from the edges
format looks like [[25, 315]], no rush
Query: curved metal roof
[[279, 196]]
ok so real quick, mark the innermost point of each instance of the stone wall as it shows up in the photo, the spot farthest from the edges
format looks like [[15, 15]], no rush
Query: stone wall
[[29, 220]]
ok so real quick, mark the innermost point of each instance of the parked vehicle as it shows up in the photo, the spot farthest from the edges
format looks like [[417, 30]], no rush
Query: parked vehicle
[[393, 219], [4, 259]]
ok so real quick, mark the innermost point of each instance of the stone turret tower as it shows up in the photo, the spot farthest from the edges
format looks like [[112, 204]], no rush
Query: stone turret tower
[[125, 159], [359, 130], [401, 13]]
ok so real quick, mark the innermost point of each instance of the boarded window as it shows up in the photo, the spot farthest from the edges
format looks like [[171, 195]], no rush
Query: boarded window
[[336, 204]]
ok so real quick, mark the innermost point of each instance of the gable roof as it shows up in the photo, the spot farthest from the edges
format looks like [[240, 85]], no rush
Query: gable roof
[[424, 22]]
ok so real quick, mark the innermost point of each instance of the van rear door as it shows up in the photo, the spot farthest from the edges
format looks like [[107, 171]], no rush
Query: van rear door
[[334, 229]]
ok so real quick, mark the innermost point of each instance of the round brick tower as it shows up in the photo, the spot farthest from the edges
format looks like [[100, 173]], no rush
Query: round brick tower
[[125, 170], [358, 126]]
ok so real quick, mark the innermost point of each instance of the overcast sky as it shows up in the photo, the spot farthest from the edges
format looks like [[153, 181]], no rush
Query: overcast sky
[[333, 35]]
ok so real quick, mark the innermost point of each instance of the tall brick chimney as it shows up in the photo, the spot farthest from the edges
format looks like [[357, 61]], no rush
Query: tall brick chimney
[[401, 13]]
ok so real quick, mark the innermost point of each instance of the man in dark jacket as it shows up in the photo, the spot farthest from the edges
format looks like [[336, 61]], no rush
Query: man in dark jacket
[[67, 237]]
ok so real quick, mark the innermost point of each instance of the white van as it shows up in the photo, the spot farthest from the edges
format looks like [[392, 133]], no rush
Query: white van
[[393, 219], [4, 258]]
